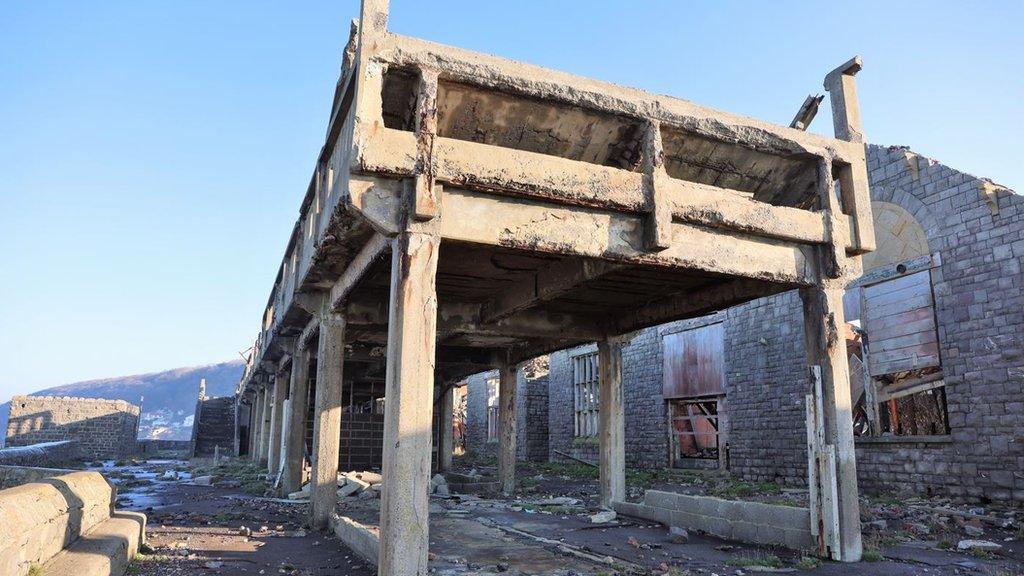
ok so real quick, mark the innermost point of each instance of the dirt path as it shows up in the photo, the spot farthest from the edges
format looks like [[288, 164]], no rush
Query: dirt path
[[221, 531]]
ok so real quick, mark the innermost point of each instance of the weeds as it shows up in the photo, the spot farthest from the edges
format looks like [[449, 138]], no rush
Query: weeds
[[807, 563], [768, 561]]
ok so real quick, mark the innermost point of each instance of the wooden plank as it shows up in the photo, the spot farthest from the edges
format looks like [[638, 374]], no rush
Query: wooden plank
[[906, 341], [909, 322], [902, 364], [814, 499], [894, 391], [694, 362]]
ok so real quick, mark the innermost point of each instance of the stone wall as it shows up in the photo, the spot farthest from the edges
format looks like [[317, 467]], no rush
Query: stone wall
[[977, 232], [99, 428], [532, 404]]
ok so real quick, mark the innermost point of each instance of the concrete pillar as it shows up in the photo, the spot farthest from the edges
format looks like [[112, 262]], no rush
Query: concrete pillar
[[277, 422], [826, 347], [268, 406], [323, 482], [295, 434], [408, 408], [446, 446], [253, 409], [261, 398], [507, 428], [611, 428]]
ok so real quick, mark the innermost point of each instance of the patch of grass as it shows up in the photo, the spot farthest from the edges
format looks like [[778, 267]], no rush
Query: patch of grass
[[887, 498], [1020, 534], [35, 571], [945, 545], [981, 554], [872, 555], [229, 516], [573, 470], [735, 488], [807, 563], [140, 560], [768, 561]]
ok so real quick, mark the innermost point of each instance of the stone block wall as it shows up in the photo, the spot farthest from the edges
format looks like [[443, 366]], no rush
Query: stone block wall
[[99, 428], [977, 231], [532, 404]]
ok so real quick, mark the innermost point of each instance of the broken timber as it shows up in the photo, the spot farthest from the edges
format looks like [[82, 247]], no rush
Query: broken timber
[[469, 212]]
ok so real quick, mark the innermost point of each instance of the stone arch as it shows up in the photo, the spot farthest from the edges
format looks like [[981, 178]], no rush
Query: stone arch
[[898, 236]]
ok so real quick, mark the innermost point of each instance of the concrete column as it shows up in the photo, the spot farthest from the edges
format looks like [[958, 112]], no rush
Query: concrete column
[[446, 446], [507, 428], [295, 434], [323, 482], [612, 430], [268, 406], [261, 399], [408, 408], [277, 422], [253, 409], [826, 347]]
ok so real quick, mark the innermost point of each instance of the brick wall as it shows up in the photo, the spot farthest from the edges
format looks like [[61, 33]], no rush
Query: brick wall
[[362, 442], [99, 428]]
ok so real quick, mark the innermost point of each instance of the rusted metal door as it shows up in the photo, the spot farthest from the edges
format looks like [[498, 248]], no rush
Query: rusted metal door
[[694, 363]]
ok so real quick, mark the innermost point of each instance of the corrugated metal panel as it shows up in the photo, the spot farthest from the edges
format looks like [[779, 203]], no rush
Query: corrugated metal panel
[[899, 318], [695, 362]]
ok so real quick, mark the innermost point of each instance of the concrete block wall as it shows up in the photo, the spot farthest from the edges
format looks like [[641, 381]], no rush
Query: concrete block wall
[[99, 428], [362, 442], [755, 522]]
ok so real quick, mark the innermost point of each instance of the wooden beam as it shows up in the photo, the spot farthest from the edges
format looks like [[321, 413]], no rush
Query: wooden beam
[[548, 283], [357, 269]]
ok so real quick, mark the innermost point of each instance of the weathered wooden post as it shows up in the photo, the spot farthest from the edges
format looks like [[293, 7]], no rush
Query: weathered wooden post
[[507, 426], [612, 419]]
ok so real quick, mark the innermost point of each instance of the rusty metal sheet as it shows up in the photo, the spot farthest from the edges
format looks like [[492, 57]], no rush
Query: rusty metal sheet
[[694, 362], [899, 317]]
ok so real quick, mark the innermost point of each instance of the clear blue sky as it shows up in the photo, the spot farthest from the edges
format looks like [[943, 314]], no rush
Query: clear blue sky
[[153, 154]]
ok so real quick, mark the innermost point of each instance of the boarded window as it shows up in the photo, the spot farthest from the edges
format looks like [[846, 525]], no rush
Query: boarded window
[[695, 363], [899, 318], [585, 389], [492, 409]]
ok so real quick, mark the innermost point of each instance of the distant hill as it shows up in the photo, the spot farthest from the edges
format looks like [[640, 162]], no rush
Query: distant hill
[[170, 396]]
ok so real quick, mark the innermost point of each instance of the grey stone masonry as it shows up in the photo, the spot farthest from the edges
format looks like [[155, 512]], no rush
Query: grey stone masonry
[[976, 231], [98, 428], [532, 404]]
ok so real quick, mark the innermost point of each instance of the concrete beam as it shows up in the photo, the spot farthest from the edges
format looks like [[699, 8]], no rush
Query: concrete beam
[[548, 283], [357, 268]]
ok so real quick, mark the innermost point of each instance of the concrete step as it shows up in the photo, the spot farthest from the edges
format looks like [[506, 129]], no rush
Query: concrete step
[[106, 550]]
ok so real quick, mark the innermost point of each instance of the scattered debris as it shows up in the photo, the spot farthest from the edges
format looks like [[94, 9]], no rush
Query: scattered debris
[[603, 517], [984, 545]]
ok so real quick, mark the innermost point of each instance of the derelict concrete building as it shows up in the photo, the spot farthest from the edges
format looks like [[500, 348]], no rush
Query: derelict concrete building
[[469, 212], [938, 307]]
